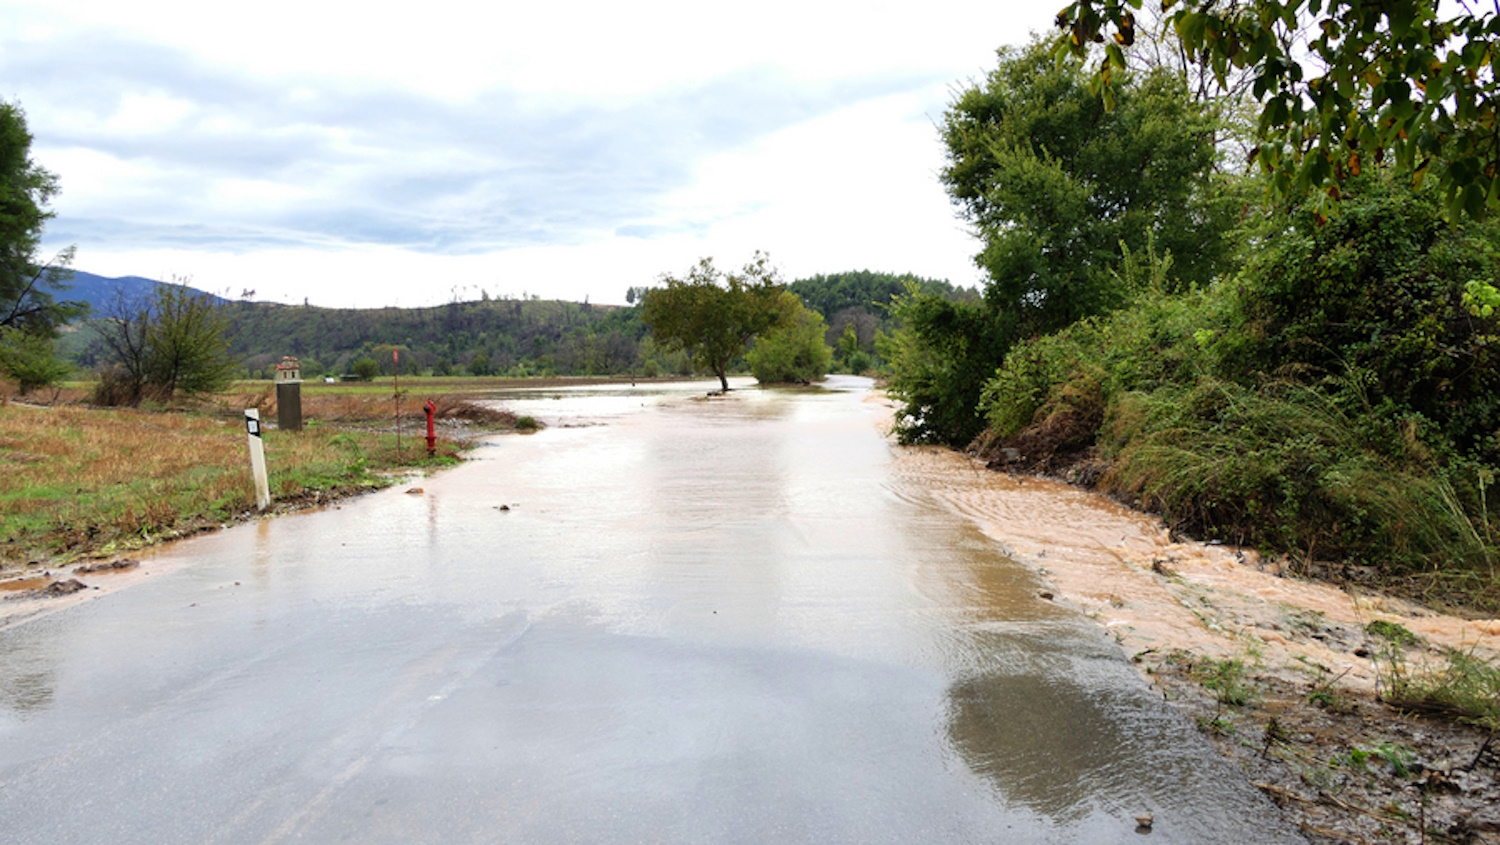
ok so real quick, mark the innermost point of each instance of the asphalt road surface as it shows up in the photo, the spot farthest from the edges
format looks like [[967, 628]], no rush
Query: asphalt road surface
[[699, 620]]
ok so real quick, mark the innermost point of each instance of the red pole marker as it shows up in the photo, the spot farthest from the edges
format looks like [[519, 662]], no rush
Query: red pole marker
[[431, 437]]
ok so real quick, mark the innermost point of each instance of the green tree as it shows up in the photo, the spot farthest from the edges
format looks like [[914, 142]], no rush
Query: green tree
[[793, 350], [713, 315], [174, 341], [939, 361], [365, 369], [1054, 185], [849, 354], [189, 344], [1343, 84], [1058, 191], [30, 360], [29, 314], [26, 188]]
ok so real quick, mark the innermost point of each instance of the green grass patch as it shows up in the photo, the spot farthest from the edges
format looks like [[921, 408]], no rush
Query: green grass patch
[[1392, 632], [1227, 679], [1463, 687]]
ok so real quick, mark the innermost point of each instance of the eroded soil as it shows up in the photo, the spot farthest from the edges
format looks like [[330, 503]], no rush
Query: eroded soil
[[1312, 731]]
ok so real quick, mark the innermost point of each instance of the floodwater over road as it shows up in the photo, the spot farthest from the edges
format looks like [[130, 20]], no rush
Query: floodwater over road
[[666, 618]]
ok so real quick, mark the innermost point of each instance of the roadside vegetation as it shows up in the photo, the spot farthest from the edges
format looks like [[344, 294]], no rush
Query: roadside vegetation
[[1313, 373], [1298, 356], [1334, 400], [83, 481], [1343, 770]]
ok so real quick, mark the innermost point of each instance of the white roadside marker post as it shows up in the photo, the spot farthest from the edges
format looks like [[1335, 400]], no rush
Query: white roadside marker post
[[257, 459]]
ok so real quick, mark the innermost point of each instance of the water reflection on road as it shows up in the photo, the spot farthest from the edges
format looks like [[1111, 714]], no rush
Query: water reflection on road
[[698, 619]]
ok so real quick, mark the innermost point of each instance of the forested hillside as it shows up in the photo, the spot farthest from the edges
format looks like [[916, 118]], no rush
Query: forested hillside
[[500, 336], [516, 337], [857, 307]]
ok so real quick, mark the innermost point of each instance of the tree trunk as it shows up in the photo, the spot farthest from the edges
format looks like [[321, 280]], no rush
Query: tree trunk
[[723, 382]]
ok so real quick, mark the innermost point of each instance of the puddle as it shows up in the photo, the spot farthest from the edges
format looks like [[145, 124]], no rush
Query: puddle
[[20, 584]]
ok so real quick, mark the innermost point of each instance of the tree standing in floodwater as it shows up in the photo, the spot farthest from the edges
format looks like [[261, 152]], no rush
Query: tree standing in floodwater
[[713, 315]]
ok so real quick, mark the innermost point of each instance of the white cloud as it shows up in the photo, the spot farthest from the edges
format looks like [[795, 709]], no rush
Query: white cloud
[[148, 113], [349, 152]]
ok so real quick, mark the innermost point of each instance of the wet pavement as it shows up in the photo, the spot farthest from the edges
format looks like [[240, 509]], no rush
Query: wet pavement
[[699, 620]]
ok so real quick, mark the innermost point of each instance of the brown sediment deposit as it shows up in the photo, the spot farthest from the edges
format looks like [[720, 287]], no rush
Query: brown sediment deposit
[[40, 592], [1124, 569], [49, 589], [1313, 731], [22, 585], [121, 565]]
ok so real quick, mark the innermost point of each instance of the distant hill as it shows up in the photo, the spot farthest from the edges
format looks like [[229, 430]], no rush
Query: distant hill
[[100, 291], [504, 336], [517, 337], [861, 300]]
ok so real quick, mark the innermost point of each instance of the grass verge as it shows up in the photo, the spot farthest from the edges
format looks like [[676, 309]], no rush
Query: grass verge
[[77, 481]]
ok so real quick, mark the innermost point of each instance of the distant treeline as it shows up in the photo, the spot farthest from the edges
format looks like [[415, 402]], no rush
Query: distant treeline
[[859, 302], [523, 337], [491, 336]]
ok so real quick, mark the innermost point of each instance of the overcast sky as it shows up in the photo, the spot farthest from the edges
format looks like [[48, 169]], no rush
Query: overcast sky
[[367, 154]]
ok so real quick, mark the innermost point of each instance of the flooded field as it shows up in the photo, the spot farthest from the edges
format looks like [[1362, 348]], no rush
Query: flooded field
[[667, 617]]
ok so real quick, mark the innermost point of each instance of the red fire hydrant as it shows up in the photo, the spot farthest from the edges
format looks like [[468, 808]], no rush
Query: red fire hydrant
[[431, 437]]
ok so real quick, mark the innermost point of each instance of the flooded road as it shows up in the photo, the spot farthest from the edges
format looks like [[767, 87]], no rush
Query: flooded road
[[664, 619]]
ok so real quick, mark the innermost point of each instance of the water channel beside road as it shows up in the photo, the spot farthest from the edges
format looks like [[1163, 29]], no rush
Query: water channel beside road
[[727, 619]]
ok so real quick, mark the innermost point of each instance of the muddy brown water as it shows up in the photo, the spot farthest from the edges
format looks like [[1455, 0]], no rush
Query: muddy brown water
[[17, 585], [700, 620]]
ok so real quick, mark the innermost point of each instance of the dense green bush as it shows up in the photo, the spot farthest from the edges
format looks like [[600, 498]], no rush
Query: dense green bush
[[30, 360], [1284, 467], [1334, 400], [1373, 299], [792, 352], [364, 369], [939, 361]]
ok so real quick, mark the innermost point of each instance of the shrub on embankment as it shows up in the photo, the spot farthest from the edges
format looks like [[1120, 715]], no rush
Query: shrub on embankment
[[1336, 400]]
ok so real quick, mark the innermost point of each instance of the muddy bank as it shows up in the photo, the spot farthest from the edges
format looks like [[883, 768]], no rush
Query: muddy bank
[[1307, 724]]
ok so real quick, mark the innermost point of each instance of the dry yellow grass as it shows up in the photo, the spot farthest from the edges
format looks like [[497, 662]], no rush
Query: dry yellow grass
[[80, 481]]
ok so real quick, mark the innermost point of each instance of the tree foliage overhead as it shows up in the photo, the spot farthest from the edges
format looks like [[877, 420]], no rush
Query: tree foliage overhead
[[713, 314], [1343, 84]]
